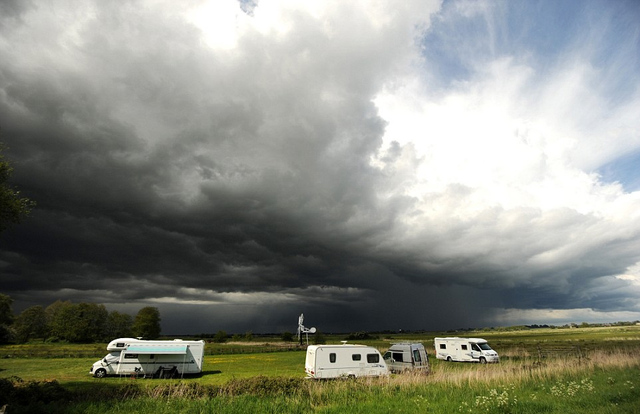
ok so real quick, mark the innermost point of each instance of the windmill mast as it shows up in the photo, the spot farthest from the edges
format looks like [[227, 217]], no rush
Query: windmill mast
[[303, 330]]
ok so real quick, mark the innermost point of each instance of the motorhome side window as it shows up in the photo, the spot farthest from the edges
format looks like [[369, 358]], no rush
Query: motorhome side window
[[443, 346], [120, 345], [464, 347], [373, 358], [332, 357], [130, 356], [356, 357]]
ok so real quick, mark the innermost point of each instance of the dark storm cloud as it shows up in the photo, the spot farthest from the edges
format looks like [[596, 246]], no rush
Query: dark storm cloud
[[245, 176]]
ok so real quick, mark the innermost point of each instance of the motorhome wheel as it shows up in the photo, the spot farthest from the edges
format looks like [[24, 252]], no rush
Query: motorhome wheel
[[100, 373], [483, 360]]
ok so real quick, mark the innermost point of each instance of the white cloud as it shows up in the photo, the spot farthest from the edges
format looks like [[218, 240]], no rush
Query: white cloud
[[221, 22], [494, 136], [508, 317]]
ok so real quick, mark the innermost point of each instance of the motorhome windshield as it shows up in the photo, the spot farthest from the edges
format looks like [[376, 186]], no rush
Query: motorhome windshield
[[112, 356], [484, 346]]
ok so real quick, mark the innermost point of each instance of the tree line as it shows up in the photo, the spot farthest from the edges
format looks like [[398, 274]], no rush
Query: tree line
[[75, 322]]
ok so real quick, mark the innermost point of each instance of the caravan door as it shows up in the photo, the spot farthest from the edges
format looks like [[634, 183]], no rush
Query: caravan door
[[419, 357]]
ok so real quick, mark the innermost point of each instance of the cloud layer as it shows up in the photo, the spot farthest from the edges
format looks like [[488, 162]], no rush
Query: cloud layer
[[237, 164]]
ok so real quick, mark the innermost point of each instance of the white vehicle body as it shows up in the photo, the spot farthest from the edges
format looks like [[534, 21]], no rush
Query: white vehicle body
[[407, 356], [347, 360], [465, 349], [150, 358]]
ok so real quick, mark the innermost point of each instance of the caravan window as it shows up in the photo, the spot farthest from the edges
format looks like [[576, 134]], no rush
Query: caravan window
[[120, 345], [130, 356], [356, 357], [332, 357], [464, 347], [373, 358], [397, 356], [416, 355], [443, 346]]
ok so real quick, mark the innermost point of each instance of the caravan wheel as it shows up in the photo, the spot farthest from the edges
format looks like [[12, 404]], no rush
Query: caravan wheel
[[449, 358], [100, 373]]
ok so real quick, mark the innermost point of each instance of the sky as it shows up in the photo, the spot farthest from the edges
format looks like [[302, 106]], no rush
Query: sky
[[375, 165]]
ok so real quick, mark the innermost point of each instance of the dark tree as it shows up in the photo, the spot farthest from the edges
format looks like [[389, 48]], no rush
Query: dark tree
[[319, 339], [6, 317], [82, 322], [12, 206], [287, 336], [55, 322], [147, 323], [30, 324], [118, 325], [220, 337]]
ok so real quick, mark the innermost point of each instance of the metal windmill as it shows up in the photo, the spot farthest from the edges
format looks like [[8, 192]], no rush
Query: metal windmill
[[303, 330]]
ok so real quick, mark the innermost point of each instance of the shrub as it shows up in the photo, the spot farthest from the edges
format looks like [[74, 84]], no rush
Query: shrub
[[14, 390], [263, 386]]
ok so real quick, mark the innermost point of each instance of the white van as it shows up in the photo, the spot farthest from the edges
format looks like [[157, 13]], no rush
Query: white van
[[130, 356], [465, 349], [346, 360], [406, 356]]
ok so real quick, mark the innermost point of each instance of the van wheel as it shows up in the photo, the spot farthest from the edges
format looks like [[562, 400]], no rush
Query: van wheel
[[449, 358], [100, 373], [483, 361]]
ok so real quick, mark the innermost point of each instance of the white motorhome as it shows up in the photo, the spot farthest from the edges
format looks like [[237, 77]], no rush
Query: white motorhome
[[346, 360], [407, 357], [465, 349], [130, 356]]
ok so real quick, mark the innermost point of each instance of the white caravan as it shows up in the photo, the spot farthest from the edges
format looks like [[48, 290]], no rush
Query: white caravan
[[346, 360], [130, 356], [407, 356], [465, 349]]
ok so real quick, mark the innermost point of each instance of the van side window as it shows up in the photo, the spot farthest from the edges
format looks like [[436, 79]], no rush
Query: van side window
[[397, 356], [416, 356], [443, 346], [464, 347], [356, 357], [332, 357], [373, 358]]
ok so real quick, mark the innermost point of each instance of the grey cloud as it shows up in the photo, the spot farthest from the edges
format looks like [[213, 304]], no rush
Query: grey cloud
[[168, 172]]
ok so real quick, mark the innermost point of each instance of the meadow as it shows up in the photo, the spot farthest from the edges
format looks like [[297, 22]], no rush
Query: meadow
[[583, 370]]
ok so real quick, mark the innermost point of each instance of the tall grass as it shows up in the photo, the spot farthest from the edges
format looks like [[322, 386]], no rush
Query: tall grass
[[584, 371], [605, 381]]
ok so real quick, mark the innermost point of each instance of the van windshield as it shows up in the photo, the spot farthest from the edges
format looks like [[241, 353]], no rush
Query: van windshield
[[484, 346], [112, 356]]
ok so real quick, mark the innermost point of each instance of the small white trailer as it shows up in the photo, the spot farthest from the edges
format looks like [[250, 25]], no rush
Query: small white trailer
[[406, 356], [344, 361], [465, 349], [164, 359]]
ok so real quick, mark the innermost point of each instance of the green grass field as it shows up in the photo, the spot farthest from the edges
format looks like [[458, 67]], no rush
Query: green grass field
[[585, 370]]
